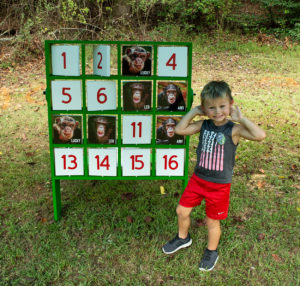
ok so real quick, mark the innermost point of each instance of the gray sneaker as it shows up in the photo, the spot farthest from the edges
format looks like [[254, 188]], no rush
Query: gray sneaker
[[209, 260], [176, 243]]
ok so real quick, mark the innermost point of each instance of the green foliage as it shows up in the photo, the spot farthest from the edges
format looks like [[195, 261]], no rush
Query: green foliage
[[33, 21], [281, 13]]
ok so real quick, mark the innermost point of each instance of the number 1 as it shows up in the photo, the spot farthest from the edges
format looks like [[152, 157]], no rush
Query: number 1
[[65, 61]]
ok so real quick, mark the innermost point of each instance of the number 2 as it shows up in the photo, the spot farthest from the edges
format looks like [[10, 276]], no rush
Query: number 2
[[172, 62], [99, 64]]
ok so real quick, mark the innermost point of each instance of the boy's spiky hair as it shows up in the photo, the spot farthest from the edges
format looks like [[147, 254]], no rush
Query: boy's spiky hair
[[215, 89]]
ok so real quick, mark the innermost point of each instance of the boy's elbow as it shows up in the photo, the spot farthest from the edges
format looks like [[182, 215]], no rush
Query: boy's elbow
[[261, 136]]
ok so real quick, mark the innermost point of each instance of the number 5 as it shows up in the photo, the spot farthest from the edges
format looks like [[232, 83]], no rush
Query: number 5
[[66, 94]]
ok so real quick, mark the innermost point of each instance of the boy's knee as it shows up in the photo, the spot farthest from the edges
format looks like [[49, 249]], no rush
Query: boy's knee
[[212, 223], [183, 212]]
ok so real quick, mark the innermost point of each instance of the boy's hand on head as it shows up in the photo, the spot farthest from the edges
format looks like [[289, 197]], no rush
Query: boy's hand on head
[[199, 111], [236, 114]]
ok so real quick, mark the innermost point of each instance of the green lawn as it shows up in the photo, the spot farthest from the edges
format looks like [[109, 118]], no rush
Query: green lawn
[[111, 232]]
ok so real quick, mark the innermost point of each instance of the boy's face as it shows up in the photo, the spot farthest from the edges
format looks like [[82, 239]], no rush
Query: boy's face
[[217, 109]]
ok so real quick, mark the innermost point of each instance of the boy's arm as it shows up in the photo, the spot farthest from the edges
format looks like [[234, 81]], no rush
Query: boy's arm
[[246, 129], [184, 127]]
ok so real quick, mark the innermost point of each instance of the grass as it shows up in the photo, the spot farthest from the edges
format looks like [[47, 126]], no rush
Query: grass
[[109, 237]]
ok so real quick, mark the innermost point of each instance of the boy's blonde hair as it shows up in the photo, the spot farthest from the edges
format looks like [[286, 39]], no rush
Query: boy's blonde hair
[[216, 89]]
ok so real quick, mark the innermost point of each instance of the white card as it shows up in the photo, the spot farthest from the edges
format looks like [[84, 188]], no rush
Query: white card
[[66, 95], [170, 162], [101, 95], [103, 161], [101, 60], [65, 60], [68, 161], [135, 162], [137, 129], [172, 61]]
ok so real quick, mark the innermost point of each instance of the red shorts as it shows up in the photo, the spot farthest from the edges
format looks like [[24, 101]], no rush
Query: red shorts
[[216, 197]]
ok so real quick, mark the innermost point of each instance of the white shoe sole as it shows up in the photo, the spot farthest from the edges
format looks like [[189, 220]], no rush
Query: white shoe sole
[[182, 246], [204, 269]]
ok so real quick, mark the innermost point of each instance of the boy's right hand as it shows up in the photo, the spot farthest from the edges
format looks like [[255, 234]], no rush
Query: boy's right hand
[[199, 111]]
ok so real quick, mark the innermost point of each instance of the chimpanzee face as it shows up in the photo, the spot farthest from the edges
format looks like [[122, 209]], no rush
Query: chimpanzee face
[[67, 126], [138, 57], [136, 95], [171, 94], [170, 127], [101, 130]]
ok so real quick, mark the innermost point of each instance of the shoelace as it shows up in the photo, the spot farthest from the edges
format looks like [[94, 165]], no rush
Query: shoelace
[[207, 255]]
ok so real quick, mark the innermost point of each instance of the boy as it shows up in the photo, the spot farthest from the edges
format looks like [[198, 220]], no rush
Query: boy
[[211, 180]]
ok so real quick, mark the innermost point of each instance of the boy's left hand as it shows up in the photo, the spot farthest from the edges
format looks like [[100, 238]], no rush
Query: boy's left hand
[[236, 114]]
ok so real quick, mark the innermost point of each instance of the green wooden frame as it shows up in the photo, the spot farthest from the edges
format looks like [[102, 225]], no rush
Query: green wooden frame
[[118, 113]]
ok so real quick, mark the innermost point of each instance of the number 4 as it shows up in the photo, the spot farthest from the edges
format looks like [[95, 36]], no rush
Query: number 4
[[172, 62]]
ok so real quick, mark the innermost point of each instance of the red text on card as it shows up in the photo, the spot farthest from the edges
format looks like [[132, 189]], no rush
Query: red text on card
[[135, 160], [64, 157], [101, 97], [65, 60], [133, 124], [172, 164], [99, 64], [66, 94], [104, 163], [172, 62]]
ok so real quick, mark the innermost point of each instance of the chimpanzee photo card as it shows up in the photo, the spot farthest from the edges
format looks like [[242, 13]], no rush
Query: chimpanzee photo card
[[171, 96], [137, 95], [67, 129], [165, 130], [137, 60], [101, 129]]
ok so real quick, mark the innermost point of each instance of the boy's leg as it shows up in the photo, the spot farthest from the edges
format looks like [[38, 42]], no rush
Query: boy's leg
[[214, 233], [211, 256], [184, 220], [182, 239]]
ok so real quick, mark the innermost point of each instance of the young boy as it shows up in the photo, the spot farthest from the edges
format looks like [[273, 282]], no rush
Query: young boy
[[211, 180]]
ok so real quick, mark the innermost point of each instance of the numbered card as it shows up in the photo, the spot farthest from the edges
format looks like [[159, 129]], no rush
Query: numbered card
[[101, 60], [103, 162], [65, 60], [136, 129], [172, 61], [135, 162], [68, 161], [101, 95], [66, 95], [169, 162]]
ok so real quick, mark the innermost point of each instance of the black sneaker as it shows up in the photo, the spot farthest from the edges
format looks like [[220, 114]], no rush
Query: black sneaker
[[176, 244], [209, 260]]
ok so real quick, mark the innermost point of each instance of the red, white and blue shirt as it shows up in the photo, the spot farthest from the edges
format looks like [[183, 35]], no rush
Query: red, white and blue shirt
[[215, 152]]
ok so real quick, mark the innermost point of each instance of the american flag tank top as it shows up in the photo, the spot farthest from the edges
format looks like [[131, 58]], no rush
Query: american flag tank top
[[215, 152]]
